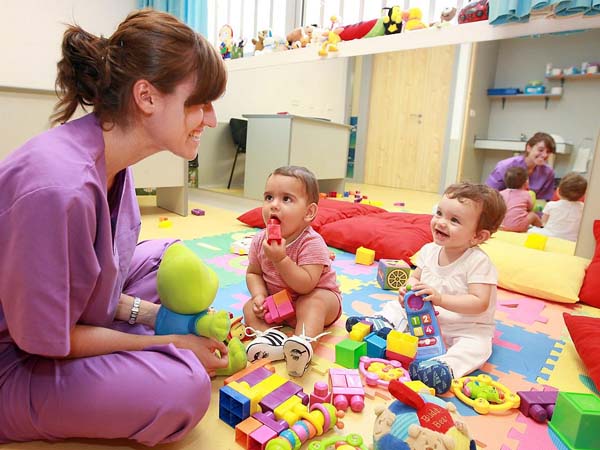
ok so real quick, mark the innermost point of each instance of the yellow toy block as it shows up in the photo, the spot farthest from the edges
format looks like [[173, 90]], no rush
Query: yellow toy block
[[366, 201], [419, 386], [165, 223], [290, 410], [536, 241], [402, 343], [359, 331], [364, 256]]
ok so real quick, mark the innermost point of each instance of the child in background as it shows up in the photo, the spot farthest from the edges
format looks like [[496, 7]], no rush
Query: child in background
[[300, 263], [562, 218], [519, 204], [460, 280]]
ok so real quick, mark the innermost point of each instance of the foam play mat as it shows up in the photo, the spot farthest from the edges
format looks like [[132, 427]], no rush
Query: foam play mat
[[532, 348]]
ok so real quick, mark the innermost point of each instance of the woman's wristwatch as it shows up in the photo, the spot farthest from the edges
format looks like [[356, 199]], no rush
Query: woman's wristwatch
[[135, 310]]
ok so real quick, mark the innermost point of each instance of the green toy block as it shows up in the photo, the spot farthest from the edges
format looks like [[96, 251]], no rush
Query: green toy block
[[348, 353], [576, 420]]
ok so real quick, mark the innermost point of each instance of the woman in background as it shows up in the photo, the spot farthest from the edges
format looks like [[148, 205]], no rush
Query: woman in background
[[78, 354], [535, 160]]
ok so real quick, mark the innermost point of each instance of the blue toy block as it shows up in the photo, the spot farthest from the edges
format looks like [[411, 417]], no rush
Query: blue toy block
[[376, 346], [233, 406]]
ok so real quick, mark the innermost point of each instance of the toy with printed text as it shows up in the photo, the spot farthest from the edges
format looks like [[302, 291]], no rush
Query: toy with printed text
[[278, 307], [423, 324], [484, 395], [419, 421], [187, 287]]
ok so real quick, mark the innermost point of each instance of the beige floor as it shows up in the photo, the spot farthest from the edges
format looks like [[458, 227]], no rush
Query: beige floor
[[222, 208]]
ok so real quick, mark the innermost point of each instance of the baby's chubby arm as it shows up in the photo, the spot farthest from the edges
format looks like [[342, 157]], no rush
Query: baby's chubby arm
[[475, 301], [257, 288]]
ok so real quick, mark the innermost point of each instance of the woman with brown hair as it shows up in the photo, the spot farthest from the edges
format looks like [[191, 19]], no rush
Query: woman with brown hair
[[535, 160], [78, 354]]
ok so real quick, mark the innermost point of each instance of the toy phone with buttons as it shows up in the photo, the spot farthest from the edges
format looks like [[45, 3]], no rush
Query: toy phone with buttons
[[423, 324]]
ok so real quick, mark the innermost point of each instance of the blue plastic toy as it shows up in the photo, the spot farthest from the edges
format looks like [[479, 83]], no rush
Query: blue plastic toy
[[423, 324]]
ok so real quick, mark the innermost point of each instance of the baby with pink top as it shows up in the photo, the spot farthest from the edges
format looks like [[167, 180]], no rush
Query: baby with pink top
[[519, 203]]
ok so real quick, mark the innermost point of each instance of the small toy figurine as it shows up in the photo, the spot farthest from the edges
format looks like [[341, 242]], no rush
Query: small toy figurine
[[226, 37]]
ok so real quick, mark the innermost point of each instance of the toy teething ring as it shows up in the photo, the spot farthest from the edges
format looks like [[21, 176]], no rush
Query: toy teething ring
[[480, 404], [379, 372]]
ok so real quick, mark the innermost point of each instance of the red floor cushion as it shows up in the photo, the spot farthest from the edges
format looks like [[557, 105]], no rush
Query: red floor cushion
[[585, 333], [590, 289], [391, 235], [329, 211]]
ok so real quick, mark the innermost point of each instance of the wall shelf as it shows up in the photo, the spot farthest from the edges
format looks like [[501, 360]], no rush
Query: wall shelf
[[545, 97], [577, 77]]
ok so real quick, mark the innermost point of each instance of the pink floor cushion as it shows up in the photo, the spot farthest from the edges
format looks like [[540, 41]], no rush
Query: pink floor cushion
[[391, 235], [329, 211]]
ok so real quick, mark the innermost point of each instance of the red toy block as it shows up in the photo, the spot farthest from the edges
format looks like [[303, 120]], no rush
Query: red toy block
[[273, 230], [278, 307]]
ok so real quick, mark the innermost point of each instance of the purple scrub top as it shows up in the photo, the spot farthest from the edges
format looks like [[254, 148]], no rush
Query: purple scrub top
[[541, 181], [59, 264]]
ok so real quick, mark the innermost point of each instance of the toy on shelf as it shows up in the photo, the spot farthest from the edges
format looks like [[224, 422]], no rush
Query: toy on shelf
[[331, 44], [419, 421], [423, 324], [445, 17], [576, 419], [484, 395], [278, 307], [392, 273], [379, 372], [539, 405], [351, 441], [187, 287], [412, 19], [226, 38], [274, 230], [299, 37], [474, 12]]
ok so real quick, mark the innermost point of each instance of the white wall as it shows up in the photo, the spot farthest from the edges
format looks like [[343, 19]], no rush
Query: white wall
[[574, 116], [31, 34], [314, 89]]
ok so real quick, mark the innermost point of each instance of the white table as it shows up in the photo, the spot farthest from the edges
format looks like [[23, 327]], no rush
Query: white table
[[276, 140]]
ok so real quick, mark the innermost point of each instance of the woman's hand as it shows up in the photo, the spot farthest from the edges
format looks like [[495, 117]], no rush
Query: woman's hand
[[212, 354], [258, 308]]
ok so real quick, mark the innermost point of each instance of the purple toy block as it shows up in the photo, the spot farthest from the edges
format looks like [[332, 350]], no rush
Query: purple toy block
[[304, 398], [539, 405], [268, 419], [279, 395], [259, 438], [256, 376]]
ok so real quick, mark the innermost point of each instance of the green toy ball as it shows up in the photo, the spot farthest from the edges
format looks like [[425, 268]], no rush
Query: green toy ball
[[185, 284]]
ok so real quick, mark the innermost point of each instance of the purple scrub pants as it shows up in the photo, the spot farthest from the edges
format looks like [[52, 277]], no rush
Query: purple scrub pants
[[153, 396]]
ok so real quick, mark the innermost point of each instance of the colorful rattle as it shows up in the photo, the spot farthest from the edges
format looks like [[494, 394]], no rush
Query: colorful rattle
[[484, 395], [377, 371]]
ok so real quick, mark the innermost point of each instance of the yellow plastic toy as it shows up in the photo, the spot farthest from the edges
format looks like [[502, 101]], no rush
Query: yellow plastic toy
[[484, 395], [536, 241], [364, 256]]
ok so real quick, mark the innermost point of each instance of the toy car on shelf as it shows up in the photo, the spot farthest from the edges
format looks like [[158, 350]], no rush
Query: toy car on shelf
[[474, 12]]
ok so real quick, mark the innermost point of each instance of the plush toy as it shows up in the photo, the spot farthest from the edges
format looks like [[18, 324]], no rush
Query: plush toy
[[418, 420], [445, 17], [299, 37], [330, 45], [187, 287], [412, 19], [389, 23]]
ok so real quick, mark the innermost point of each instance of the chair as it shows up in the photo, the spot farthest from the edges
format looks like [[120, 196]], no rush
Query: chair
[[239, 130]]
